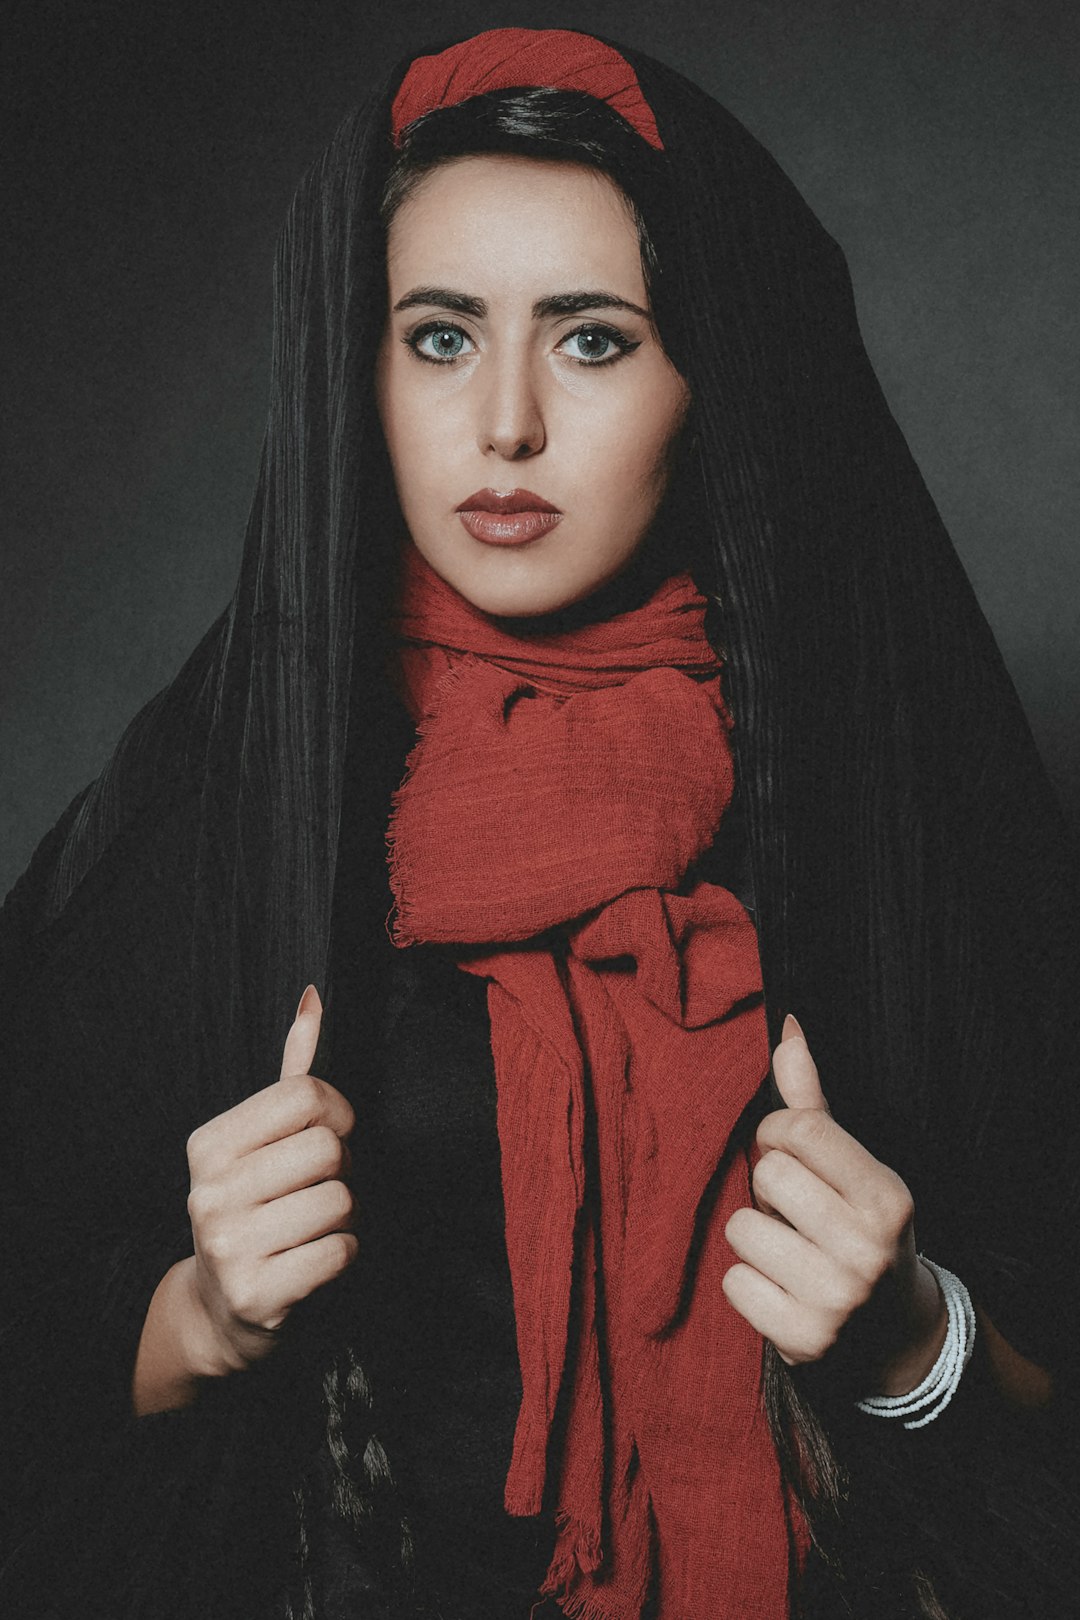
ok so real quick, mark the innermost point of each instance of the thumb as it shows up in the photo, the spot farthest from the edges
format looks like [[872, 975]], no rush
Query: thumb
[[303, 1036], [795, 1070]]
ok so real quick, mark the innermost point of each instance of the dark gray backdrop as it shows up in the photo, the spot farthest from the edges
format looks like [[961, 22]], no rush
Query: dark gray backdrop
[[151, 152]]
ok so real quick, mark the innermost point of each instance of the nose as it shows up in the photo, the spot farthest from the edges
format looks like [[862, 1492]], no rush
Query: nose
[[511, 417]]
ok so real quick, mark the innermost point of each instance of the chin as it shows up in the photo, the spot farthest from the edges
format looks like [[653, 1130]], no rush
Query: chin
[[520, 604], [526, 585], [503, 588], [535, 599]]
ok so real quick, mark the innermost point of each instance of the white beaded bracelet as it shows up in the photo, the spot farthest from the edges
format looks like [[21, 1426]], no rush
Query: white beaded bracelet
[[941, 1381]]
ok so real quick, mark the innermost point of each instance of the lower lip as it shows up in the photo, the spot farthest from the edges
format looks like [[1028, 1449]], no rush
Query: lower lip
[[507, 528]]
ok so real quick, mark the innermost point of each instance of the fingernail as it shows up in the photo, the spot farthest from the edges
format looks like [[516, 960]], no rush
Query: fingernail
[[792, 1027], [315, 1006]]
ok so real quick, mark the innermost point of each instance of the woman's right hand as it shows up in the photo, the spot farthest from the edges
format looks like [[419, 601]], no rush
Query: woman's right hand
[[271, 1214], [271, 1217]]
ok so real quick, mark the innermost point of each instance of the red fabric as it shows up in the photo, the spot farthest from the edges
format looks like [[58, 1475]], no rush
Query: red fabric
[[501, 58], [559, 789]]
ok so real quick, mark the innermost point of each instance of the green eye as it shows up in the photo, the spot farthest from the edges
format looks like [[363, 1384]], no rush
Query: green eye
[[597, 335], [595, 342], [440, 331], [448, 343]]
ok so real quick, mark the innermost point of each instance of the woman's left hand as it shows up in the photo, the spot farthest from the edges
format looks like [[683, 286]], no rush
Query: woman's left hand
[[831, 1242]]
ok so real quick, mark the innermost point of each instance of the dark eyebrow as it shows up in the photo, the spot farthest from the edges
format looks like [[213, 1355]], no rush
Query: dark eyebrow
[[568, 303]]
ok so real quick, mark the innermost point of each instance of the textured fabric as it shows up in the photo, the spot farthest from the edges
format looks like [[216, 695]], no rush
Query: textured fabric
[[561, 788], [559, 58]]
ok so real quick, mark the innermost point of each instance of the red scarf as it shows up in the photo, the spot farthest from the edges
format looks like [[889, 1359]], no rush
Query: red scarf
[[559, 790]]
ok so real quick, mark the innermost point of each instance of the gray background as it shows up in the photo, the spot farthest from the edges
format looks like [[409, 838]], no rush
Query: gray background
[[151, 152]]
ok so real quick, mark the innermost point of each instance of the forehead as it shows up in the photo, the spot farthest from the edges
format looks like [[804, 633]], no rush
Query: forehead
[[505, 220]]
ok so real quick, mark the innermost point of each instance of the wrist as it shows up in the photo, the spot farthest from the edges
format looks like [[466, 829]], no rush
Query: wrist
[[928, 1325], [205, 1351], [929, 1398]]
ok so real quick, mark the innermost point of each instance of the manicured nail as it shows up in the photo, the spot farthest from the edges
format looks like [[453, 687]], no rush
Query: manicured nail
[[791, 1028], [311, 1006]]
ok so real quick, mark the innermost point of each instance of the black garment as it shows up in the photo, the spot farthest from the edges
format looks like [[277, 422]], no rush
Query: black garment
[[448, 1366]]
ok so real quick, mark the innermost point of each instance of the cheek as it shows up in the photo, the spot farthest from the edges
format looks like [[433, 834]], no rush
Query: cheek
[[430, 425], [635, 455], [415, 438]]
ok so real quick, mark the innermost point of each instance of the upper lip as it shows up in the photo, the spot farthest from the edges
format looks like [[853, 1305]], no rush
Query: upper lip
[[518, 500]]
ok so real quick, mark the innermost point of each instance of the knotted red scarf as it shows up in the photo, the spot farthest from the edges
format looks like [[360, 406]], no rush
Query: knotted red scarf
[[560, 789]]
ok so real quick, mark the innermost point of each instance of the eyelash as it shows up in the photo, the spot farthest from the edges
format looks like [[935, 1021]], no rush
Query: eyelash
[[623, 344]]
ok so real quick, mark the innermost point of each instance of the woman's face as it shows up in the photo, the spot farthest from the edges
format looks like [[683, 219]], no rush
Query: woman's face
[[519, 354]]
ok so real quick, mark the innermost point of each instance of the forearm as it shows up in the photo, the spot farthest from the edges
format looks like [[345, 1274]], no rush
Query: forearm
[[176, 1351], [1019, 1380]]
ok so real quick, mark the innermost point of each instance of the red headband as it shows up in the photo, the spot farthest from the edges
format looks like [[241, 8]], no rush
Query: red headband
[[501, 58]]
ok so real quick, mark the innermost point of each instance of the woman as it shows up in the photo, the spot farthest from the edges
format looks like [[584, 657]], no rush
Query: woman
[[593, 944]]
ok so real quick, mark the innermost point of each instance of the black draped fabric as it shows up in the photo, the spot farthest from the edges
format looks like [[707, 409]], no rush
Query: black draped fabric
[[915, 895]]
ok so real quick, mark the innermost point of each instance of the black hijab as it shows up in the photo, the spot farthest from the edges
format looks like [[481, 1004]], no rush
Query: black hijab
[[914, 882]]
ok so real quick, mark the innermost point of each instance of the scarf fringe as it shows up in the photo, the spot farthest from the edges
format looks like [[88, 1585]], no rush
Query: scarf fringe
[[592, 1604], [582, 1556], [588, 1606], [584, 1551]]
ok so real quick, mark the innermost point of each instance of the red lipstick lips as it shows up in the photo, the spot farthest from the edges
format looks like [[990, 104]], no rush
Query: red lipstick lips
[[507, 520]]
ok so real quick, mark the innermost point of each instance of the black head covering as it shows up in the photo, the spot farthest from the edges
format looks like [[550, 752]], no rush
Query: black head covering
[[914, 882]]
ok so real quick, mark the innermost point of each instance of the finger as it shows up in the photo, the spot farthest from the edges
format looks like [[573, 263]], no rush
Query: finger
[[758, 1190], [296, 1273], [788, 1259], [795, 1070], [300, 1160], [786, 1189], [774, 1313], [303, 1036], [290, 1105], [823, 1146], [302, 1216]]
